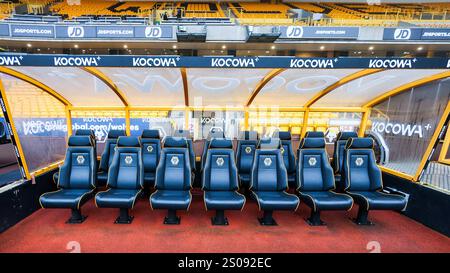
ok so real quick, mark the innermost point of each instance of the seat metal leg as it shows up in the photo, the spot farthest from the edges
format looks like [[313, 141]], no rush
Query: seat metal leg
[[172, 218], [361, 219], [76, 217], [267, 219], [124, 217], [314, 219], [219, 219]]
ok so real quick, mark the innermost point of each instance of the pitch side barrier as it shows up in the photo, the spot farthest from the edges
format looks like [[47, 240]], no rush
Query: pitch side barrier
[[221, 62]]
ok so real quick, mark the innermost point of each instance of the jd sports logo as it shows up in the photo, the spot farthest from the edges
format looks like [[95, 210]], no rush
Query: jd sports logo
[[153, 32], [402, 34], [75, 32], [294, 32]]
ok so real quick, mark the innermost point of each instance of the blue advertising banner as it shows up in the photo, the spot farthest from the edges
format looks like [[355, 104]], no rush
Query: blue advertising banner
[[436, 34], [299, 32], [87, 31], [153, 32], [4, 30], [115, 32], [220, 62], [22, 30], [405, 34], [76, 32], [55, 127]]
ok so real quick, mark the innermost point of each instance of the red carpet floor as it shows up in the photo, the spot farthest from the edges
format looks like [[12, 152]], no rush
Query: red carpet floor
[[46, 231]]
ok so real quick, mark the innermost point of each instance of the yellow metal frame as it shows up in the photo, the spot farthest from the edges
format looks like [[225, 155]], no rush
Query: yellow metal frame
[[307, 108], [406, 87], [14, 133], [396, 173], [445, 147], [101, 76], [339, 83], [47, 168], [433, 140], [272, 74], [363, 124], [36, 83]]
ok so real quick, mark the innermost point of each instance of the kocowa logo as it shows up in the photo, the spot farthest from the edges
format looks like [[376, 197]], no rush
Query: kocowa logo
[[76, 61], [75, 32], [312, 63], [9, 60], [402, 34], [164, 62], [153, 32], [403, 129], [294, 32], [230, 62], [391, 63]]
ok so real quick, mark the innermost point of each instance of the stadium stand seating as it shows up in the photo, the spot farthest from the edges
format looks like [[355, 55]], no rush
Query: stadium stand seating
[[125, 179], [333, 14], [77, 179]]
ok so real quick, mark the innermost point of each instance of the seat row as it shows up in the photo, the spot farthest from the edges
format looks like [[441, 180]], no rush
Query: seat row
[[268, 185]]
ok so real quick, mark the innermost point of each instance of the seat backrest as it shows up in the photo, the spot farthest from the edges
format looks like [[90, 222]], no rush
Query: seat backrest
[[269, 143], [110, 145], [211, 135], [361, 172], [185, 134], [248, 135], [220, 172], [215, 143], [151, 149], [286, 150], [126, 170], [245, 155], [339, 146], [78, 170], [314, 172], [174, 170], [85, 132], [314, 134], [268, 171]]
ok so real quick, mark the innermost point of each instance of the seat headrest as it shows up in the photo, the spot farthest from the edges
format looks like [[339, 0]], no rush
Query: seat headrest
[[77, 141], [346, 135], [85, 132], [283, 135], [175, 142], [248, 135], [215, 134], [312, 134], [113, 134], [150, 134], [128, 141], [181, 133], [308, 143], [269, 143], [221, 143], [359, 143]]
